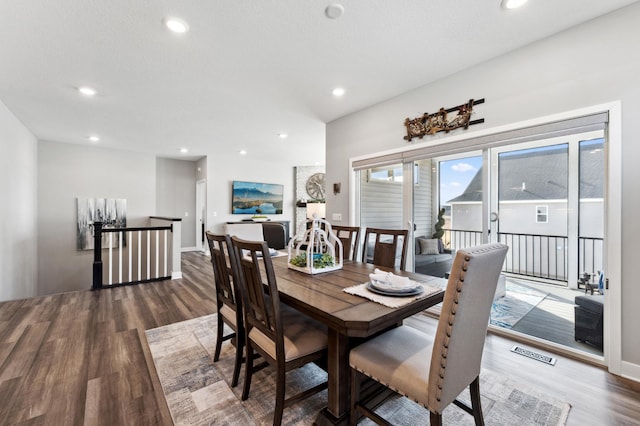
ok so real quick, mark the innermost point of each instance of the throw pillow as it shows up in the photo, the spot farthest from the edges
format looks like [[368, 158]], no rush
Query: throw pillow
[[429, 246]]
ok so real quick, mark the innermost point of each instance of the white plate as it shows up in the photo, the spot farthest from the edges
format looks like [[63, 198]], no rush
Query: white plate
[[405, 293]]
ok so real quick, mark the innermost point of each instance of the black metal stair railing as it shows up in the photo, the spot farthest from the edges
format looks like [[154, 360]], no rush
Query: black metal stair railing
[[142, 255]]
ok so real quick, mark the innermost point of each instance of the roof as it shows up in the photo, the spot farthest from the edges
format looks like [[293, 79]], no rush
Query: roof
[[541, 175]]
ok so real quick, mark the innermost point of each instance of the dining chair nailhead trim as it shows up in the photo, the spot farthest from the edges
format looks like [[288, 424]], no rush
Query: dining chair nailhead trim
[[452, 316]]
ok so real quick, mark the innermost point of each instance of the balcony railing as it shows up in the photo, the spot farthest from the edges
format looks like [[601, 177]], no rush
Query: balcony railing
[[590, 256], [136, 255], [539, 256]]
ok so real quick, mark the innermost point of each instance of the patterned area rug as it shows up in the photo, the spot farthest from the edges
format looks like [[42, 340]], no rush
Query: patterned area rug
[[197, 391], [518, 301]]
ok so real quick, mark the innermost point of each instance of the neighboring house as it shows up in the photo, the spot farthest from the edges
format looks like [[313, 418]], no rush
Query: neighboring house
[[533, 195], [533, 209]]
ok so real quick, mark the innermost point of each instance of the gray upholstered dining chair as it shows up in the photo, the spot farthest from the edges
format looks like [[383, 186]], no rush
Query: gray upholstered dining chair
[[228, 301], [382, 251], [433, 370], [284, 337]]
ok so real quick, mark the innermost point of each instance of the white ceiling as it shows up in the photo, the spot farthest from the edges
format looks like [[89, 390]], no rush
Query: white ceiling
[[247, 69]]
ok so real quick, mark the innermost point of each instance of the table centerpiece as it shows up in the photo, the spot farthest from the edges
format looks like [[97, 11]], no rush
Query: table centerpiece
[[313, 249]]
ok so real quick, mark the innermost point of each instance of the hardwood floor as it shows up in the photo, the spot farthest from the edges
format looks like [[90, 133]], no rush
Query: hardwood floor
[[82, 358]]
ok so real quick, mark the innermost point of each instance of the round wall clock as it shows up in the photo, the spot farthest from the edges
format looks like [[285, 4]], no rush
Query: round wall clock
[[315, 186]]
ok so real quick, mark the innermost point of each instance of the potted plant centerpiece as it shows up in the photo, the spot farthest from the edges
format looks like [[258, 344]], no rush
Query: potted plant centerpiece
[[313, 249]]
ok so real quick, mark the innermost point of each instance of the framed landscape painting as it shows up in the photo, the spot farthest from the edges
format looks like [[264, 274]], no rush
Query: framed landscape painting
[[112, 212], [256, 198]]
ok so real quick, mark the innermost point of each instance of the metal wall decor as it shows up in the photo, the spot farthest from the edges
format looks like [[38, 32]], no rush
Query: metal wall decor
[[430, 124]]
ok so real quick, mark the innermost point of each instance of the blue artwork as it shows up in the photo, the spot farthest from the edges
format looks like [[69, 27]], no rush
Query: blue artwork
[[257, 198]]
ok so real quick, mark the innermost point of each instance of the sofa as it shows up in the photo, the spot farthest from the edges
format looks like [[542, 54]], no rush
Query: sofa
[[275, 234], [432, 261]]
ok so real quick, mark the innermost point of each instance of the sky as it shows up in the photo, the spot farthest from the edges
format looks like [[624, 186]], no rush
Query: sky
[[455, 175]]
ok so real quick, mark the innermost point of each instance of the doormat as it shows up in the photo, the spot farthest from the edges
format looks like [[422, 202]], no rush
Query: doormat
[[534, 355]]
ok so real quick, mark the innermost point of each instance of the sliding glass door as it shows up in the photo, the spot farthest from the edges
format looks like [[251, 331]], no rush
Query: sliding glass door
[[544, 198], [531, 208], [547, 205]]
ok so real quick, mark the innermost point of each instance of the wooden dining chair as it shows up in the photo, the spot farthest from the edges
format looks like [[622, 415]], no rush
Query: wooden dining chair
[[228, 302], [284, 337], [383, 250], [433, 370], [350, 238]]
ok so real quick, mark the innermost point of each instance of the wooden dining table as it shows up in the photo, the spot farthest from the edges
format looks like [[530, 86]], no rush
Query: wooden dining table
[[350, 319]]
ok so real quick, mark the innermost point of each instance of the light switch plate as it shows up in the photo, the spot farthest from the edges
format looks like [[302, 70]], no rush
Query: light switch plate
[[336, 216]]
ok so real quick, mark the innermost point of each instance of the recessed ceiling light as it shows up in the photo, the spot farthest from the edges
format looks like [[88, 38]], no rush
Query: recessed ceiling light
[[94, 138], [87, 91], [243, 152], [338, 91], [334, 11], [176, 25], [512, 4], [282, 135], [184, 150]]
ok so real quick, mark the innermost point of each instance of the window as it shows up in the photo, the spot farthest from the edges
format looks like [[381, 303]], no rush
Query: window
[[386, 174], [542, 214], [390, 174]]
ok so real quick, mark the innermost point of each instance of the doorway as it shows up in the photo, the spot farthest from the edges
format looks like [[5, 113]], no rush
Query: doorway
[[201, 206]]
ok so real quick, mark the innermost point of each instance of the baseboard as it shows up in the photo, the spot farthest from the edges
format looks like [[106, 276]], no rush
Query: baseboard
[[630, 371], [183, 249]]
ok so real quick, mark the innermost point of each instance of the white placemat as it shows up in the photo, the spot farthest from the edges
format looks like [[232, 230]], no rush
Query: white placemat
[[389, 301]]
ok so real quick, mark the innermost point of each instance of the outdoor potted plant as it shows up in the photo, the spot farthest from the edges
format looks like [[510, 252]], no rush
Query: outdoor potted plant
[[439, 233]]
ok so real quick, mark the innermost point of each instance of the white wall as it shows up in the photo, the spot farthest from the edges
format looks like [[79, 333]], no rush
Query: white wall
[[18, 230], [301, 174], [594, 63], [222, 171], [68, 171], [176, 195]]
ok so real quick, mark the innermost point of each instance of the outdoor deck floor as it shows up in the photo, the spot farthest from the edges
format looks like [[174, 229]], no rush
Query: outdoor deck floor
[[553, 318]]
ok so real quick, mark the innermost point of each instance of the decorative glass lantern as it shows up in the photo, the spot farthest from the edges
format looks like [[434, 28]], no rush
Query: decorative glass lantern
[[315, 248]]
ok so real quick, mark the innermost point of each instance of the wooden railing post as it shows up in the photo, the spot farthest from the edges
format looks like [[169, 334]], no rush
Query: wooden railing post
[[176, 242], [176, 249], [97, 255]]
